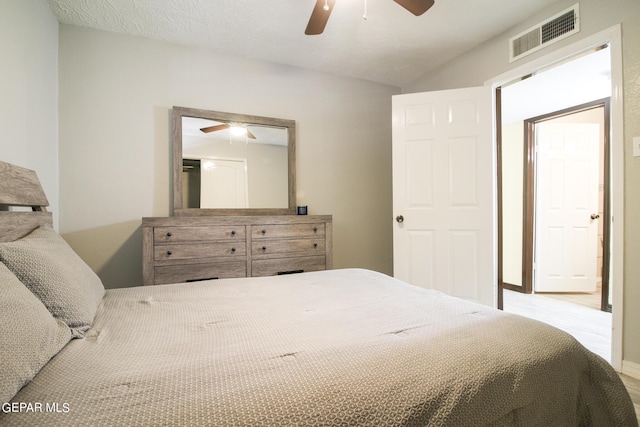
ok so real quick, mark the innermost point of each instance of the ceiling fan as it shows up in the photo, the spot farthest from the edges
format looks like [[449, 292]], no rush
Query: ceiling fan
[[237, 129], [323, 8]]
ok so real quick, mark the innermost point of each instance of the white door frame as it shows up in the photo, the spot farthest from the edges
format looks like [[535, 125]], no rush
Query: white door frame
[[612, 36]]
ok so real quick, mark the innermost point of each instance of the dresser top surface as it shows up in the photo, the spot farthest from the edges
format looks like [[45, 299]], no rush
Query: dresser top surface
[[237, 220]]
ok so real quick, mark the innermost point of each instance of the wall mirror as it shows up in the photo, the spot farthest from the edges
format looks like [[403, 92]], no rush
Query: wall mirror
[[232, 164]]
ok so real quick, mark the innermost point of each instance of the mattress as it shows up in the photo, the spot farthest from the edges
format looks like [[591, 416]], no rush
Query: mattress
[[341, 347]]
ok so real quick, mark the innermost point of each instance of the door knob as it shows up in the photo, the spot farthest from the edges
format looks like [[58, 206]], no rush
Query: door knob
[[595, 216], [400, 218]]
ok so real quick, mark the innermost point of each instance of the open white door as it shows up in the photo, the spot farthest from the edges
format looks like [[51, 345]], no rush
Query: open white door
[[567, 190], [443, 192]]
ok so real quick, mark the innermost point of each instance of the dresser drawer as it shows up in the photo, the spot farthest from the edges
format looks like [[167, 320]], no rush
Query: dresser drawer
[[289, 246], [272, 267], [195, 234], [199, 250], [270, 231], [196, 272], [188, 248]]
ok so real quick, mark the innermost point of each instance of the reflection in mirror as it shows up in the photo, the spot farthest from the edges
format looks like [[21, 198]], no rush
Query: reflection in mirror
[[232, 164], [243, 166]]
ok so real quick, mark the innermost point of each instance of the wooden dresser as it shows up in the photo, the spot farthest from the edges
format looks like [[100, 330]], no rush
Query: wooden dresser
[[184, 249]]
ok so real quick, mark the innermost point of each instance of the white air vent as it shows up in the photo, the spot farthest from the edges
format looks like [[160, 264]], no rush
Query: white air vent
[[545, 33]]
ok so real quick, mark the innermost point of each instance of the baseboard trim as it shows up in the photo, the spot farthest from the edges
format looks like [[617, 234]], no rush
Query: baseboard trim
[[631, 369]]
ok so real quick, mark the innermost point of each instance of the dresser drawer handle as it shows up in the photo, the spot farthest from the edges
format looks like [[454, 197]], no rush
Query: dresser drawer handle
[[233, 250], [281, 273], [264, 249], [264, 232], [169, 253], [201, 280], [169, 234], [233, 232], [315, 229], [315, 245]]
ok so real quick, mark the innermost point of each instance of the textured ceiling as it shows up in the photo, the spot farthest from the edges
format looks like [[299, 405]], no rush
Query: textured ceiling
[[391, 46]]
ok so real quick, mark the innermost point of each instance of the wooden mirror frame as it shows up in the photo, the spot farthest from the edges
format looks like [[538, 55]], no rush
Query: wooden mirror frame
[[180, 112]]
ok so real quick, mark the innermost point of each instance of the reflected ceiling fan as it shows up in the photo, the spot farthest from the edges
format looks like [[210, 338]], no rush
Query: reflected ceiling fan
[[236, 129], [323, 8]]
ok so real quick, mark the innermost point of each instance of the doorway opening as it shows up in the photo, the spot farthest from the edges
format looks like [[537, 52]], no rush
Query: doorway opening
[[567, 205], [553, 94]]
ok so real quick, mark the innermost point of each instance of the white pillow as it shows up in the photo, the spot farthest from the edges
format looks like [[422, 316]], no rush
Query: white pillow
[[29, 335], [47, 265]]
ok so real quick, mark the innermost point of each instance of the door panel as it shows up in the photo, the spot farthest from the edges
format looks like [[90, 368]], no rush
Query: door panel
[[566, 196], [419, 167], [463, 161], [465, 247], [443, 169], [422, 251]]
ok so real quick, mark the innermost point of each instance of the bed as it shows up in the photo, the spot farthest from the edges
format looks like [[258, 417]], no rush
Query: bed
[[341, 347]]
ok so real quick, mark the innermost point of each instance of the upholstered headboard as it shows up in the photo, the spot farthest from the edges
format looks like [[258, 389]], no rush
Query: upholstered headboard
[[21, 187]]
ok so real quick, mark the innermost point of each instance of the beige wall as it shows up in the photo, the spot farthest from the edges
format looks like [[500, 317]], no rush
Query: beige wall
[[116, 94], [29, 91], [512, 199], [491, 60]]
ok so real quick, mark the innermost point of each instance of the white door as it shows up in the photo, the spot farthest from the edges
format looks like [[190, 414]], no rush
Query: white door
[[567, 192], [223, 183], [443, 192]]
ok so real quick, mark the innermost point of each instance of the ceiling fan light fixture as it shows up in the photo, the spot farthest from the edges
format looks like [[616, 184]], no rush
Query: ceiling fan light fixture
[[234, 130], [323, 8], [238, 130]]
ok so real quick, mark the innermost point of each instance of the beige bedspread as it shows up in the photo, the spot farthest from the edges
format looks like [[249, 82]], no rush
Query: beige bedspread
[[344, 347]]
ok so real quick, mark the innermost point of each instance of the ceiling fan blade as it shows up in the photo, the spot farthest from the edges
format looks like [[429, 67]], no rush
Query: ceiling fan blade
[[214, 128], [319, 17], [250, 135], [417, 7]]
